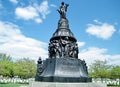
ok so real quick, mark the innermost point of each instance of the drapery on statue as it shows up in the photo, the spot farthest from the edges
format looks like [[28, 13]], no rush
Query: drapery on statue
[[63, 9]]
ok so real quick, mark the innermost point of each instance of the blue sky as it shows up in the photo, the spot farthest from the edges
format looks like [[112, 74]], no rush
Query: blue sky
[[27, 25]]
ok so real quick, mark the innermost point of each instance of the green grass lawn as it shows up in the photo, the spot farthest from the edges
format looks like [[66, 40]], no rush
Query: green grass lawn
[[13, 85]]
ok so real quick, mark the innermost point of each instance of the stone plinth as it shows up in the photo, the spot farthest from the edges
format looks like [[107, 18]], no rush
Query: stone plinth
[[63, 70], [56, 84]]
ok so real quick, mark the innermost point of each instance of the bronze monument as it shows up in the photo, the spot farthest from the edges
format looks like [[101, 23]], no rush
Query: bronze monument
[[63, 64]]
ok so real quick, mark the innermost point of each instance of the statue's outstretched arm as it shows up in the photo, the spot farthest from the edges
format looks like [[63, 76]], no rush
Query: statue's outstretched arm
[[66, 5]]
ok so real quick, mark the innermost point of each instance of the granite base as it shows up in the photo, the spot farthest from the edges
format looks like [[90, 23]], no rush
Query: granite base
[[58, 84]]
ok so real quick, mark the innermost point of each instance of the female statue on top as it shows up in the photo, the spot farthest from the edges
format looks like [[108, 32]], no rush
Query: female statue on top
[[63, 9]]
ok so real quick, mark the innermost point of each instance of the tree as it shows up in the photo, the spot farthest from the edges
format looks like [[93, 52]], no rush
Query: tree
[[115, 72], [6, 65], [100, 69], [25, 68], [4, 57]]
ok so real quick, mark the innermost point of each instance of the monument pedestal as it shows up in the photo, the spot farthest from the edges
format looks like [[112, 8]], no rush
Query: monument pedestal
[[63, 70], [57, 84]]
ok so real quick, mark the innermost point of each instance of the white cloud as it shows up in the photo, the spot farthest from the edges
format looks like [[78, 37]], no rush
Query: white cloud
[[93, 53], [101, 30], [14, 43], [26, 13], [14, 1], [38, 20], [114, 59], [33, 12], [44, 9], [53, 5], [80, 44], [98, 22]]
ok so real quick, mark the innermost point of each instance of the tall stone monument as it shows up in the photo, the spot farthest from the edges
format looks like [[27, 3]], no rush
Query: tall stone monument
[[63, 68], [63, 64]]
